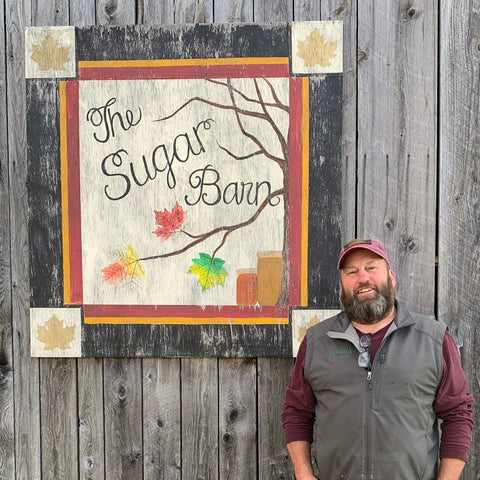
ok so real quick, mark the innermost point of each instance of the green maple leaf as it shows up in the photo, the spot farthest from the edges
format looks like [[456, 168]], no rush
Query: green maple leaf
[[209, 270]]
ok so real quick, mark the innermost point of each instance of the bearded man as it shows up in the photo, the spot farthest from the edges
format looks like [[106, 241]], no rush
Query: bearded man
[[370, 385]]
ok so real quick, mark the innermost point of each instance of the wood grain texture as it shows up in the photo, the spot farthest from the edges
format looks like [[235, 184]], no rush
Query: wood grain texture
[[115, 12], [199, 418], [193, 11], [53, 12], [273, 377], [91, 454], [273, 11], [7, 433], [237, 419], [26, 370], [397, 140], [233, 11], [459, 193], [82, 13], [59, 431], [153, 12], [162, 419], [122, 413]]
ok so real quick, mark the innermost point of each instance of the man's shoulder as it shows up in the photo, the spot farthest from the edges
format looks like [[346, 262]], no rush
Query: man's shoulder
[[421, 322]]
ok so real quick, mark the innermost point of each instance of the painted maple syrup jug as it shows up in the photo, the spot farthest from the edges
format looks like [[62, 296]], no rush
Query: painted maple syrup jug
[[269, 277], [247, 286]]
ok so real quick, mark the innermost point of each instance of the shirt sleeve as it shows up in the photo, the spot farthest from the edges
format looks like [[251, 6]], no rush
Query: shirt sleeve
[[298, 415], [453, 405]]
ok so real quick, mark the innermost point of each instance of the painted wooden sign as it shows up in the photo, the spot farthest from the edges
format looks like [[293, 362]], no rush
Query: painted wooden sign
[[184, 186]]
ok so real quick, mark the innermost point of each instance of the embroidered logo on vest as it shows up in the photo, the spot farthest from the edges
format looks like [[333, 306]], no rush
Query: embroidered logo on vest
[[341, 352]]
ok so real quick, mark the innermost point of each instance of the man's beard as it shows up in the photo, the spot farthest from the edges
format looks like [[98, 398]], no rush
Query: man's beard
[[371, 310]]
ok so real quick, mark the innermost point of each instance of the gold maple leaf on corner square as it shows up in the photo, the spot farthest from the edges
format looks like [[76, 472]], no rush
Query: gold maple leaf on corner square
[[314, 50], [49, 55], [55, 335], [302, 331]]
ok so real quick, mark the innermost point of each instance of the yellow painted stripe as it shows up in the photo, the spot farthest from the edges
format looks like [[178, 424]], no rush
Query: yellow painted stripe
[[185, 321], [305, 182], [64, 180], [183, 62]]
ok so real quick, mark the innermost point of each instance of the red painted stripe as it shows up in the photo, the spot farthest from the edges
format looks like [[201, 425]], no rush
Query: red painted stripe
[[295, 190], [75, 234], [177, 72], [194, 311]]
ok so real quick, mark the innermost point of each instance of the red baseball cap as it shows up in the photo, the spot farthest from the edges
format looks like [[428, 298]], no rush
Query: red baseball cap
[[362, 243]]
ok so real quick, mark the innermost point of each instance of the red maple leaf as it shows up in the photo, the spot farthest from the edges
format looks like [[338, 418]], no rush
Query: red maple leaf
[[169, 222], [114, 273]]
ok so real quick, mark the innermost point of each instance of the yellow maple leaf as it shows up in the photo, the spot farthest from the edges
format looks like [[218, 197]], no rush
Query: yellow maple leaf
[[49, 55], [302, 331], [129, 259], [55, 335], [314, 50]]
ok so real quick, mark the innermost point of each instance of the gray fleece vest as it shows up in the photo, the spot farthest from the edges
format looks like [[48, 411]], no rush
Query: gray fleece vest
[[376, 425]]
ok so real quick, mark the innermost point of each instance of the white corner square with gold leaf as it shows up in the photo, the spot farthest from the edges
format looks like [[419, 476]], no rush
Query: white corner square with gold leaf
[[303, 318], [50, 52], [317, 47], [56, 332]]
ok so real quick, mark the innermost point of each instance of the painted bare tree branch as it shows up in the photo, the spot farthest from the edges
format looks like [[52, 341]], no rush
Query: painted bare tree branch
[[262, 150], [228, 229]]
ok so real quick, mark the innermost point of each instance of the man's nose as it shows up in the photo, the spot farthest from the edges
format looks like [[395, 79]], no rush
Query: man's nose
[[363, 276]]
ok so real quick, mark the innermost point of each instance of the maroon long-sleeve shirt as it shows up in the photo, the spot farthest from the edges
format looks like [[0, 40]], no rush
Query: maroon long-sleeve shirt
[[453, 403]]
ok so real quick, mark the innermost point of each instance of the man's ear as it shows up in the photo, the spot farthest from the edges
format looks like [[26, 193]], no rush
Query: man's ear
[[392, 276]]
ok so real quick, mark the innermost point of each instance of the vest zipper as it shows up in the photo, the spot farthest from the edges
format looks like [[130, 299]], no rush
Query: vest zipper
[[368, 425]]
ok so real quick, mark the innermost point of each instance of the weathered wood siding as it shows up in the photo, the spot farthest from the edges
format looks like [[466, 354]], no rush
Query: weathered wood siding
[[418, 192]]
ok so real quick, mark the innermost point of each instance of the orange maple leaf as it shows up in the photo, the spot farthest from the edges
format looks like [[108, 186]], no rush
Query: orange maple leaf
[[49, 55], [115, 273], [169, 222], [55, 335]]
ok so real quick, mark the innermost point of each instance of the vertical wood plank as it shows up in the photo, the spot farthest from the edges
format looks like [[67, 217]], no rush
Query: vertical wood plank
[[459, 212], [200, 418], [193, 11], [91, 456], [397, 140], [154, 12], [273, 460], [26, 369], [307, 10], [82, 12], [233, 11], [119, 12], [162, 419], [51, 12], [273, 10], [237, 419], [7, 434], [58, 389], [123, 411]]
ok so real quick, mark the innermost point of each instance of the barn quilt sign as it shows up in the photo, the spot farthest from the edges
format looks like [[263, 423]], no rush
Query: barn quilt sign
[[184, 186]]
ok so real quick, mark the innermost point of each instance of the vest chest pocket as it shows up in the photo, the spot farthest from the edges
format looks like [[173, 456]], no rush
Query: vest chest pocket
[[397, 379]]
